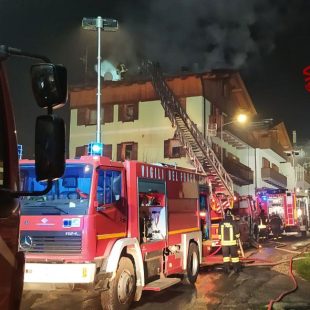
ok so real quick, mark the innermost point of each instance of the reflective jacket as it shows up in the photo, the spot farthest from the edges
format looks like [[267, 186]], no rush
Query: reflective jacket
[[228, 232]]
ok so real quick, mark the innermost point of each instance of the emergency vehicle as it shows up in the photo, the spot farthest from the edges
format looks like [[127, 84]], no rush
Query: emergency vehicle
[[280, 209], [47, 95], [247, 215], [120, 228]]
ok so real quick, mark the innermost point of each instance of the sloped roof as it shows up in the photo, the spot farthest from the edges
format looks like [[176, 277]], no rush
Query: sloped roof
[[283, 137], [209, 83]]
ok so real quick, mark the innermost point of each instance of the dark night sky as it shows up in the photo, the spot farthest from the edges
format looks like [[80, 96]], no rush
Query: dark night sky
[[267, 40]]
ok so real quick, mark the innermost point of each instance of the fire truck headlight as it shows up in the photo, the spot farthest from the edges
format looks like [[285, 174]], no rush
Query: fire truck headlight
[[84, 272]]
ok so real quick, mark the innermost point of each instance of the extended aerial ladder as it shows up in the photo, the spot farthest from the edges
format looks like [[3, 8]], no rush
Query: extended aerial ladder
[[197, 147]]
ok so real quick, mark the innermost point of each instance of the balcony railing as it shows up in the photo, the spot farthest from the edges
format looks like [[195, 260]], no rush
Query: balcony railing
[[307, 177], [273, 177], [240, 173]]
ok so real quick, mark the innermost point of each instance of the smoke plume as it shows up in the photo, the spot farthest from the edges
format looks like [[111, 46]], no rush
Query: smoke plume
[[201, 34]]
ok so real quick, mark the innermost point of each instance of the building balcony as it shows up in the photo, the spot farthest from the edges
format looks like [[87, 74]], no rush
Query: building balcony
[[240, 173], [274, 177]]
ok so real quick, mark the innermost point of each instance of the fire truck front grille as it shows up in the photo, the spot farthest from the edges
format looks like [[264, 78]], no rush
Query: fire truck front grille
[[67, 243]]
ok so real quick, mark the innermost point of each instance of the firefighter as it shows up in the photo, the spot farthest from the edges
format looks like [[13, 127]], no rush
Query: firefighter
[[228, 234]]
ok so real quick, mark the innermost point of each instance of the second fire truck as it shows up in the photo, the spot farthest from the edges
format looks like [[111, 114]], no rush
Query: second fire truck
[[281, 213]]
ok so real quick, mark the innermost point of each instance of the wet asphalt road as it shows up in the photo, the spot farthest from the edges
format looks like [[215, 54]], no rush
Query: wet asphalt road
[[253, 288]]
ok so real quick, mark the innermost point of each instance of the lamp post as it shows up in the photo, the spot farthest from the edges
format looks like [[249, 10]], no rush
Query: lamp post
[[240, 118], [98, 24]]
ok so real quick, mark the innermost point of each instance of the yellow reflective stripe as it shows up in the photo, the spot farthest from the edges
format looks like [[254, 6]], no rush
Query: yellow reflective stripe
[[235, 259], [222, 231], [180, 231], [226, 259], [229, 242], [110, 236]]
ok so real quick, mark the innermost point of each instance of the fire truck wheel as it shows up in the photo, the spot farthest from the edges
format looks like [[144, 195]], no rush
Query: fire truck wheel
[[192, 268], [122, 288]]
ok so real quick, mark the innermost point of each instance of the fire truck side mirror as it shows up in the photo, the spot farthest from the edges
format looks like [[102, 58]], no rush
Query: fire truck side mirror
[[49, 85], [49, 147]]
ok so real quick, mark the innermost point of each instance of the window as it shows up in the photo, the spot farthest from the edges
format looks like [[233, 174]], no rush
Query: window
[[82, 150], [127, 150], [88, 117], [128, 112], [109, 186], [69, 194], [266, 163], [173, 149], [107, 150]]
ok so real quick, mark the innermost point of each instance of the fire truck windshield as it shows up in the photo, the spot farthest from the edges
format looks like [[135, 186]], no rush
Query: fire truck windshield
[[69, 194]]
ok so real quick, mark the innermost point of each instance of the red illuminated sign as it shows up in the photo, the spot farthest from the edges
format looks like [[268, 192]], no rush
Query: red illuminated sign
[[306, 73]]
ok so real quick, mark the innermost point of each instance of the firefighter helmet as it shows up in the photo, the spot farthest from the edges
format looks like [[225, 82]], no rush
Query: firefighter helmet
[[228, 214]]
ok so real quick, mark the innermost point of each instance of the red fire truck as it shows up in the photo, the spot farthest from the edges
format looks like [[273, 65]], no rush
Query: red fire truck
[[247, 214], [279, 207], [119, 228], [47, 94]]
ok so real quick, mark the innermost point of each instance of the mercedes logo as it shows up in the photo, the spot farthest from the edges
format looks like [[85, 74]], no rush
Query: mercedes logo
[[26, 243]]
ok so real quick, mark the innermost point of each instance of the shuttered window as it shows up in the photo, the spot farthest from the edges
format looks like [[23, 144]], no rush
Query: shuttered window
[[107, 150], [127, 151], [81, 151], [173, 149], [128, 112], [88, 117]]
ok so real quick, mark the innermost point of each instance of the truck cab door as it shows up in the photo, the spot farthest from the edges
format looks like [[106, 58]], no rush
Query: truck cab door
[[110, 207]]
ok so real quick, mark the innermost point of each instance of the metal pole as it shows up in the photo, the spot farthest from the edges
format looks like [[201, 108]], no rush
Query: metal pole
[[293, 155], [99, 24], [221, 139]]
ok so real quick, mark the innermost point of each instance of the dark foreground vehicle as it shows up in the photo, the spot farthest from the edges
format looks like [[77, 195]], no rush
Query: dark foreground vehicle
[[50, 90]]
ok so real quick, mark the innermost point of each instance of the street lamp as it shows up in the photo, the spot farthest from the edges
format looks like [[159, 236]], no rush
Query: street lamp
[[98, 24], [240, 118]]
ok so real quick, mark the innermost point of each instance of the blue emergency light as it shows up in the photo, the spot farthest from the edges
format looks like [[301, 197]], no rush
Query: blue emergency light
[[20, 151], [95, 149], [264, 198]]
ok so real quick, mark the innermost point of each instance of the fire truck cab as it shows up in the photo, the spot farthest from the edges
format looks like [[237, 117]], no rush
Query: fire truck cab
[[279, 207], [120, 228]]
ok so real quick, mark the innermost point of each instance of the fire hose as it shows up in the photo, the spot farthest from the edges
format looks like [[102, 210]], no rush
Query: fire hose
[[271, 302], [263, 262]]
